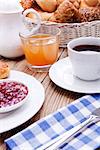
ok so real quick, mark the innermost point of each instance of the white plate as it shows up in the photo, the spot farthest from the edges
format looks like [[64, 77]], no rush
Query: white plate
[[17, 117], [62, 75]]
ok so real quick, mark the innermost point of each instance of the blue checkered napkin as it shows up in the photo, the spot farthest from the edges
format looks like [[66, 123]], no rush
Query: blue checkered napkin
[[57, 123]]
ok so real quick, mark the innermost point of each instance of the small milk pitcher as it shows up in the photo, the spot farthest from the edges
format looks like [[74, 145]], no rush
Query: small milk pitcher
[[12, 21]]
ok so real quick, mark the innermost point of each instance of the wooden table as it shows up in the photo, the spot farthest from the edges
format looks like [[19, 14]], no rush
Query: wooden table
[[55, 97]]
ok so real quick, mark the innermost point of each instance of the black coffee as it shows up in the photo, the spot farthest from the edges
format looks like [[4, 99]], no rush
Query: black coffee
[[80, 48]]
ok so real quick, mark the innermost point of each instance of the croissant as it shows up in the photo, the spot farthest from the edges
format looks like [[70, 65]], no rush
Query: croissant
[[66, 12]]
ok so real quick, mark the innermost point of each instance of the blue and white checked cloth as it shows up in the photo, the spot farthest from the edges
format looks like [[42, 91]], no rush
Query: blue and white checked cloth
[[57, 123]]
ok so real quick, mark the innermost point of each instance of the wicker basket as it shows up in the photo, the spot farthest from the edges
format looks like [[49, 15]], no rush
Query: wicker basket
[[70, 31]]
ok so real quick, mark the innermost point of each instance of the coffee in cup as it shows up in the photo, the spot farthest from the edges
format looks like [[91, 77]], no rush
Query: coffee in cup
[[84, 54]]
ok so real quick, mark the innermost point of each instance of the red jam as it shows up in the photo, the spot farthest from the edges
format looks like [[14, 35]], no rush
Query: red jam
[[11, 93]]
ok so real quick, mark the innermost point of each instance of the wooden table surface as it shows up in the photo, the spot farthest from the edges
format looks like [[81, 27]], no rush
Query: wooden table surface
[[55, 97]]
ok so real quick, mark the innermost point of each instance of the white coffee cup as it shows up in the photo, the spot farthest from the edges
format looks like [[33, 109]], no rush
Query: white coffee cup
[[85, 64]]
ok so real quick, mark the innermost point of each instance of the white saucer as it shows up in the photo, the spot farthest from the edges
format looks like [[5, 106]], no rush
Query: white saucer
[[61, 74], [29, 109]]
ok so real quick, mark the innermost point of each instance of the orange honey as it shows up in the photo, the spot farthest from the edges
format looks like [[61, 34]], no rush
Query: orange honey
[[41, 50]]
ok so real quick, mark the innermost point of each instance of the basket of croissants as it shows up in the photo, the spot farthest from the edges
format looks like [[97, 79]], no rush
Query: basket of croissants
[[75, 18]]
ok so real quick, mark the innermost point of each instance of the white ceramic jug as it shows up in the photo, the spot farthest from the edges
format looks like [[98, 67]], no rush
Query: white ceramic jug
[[11, 23]]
